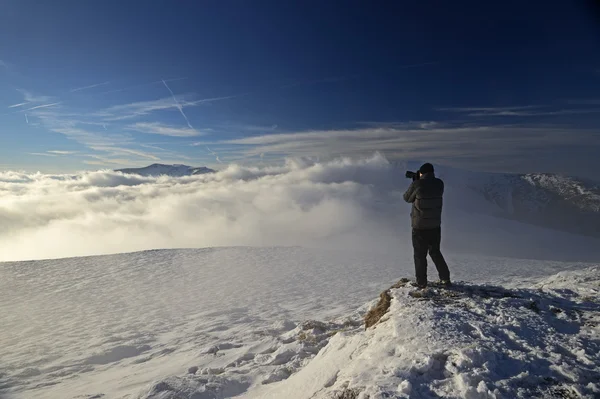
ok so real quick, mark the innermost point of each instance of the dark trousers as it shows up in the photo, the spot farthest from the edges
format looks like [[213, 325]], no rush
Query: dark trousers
[[428, 241]]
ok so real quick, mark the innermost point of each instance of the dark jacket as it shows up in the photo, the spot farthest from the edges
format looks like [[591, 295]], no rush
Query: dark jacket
[[426, 196]]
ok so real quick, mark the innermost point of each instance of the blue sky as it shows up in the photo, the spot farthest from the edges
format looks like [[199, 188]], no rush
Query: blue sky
[[510, 86]]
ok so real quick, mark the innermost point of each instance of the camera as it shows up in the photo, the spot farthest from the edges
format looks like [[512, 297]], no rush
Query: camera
[[412, 175]]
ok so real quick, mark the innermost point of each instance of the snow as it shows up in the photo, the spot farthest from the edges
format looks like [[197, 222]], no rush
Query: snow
[[478, 342], [224, 322]]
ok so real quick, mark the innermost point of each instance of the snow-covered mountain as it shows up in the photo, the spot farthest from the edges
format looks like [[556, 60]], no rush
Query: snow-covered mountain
[[169, 170], [554, 201], [548, 200], [288, 323]]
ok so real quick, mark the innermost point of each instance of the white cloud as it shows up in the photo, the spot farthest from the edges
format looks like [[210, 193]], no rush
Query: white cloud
[[103, 212], [41, 106], [450, 139], [108, 149], [18, 105], [107, 162], [166, 130], [42, 154], [120, 151], [343, 203], [142, 108], [86, 137], [493, 147]]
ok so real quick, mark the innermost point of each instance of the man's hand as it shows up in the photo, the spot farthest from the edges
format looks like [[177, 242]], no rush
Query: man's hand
[[411, 194]]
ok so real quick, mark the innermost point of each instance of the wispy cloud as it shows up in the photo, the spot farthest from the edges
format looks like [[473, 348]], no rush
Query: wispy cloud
[[104, 161], [142, 108], [240, 127], [526, 110], [117, 151], [41, 106], [18, 105], [166, 130], [53, 153], [34, 98], [442, 142], [41, 154], [62, 152], [90, 129], [85, 137], [89, 87]]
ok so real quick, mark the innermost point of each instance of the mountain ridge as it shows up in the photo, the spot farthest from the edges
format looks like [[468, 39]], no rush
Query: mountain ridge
[[175, 170], [547, 200]]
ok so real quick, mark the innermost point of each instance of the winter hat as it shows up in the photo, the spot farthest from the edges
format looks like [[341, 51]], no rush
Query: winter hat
[[426, 168]]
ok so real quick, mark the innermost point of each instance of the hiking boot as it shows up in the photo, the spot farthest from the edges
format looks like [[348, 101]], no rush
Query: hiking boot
[[419, 286], [444, 283]]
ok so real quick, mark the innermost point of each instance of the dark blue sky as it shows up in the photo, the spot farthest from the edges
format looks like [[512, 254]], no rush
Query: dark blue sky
[[250, 81]]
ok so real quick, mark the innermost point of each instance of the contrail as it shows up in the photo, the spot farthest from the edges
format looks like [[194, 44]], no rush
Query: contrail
[[214, 153], [41, 106], [26, 119], [179, 107], [89, 87], [18, 105], [141, 85]]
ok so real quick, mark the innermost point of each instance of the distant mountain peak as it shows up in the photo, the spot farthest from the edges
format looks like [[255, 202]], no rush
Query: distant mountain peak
[[158, 169]]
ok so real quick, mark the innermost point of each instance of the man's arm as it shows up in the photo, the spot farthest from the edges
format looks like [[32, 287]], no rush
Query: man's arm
[[411, 194]]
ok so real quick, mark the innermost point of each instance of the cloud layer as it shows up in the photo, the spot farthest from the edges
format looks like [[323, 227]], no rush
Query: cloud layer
[[343, 203], [498, 148], [107, 212]]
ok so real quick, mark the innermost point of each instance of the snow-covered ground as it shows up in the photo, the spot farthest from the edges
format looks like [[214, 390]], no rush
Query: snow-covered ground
[[213, 323], [470, 341]]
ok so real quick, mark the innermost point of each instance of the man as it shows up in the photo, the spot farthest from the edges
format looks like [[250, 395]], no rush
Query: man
[[425, 194]]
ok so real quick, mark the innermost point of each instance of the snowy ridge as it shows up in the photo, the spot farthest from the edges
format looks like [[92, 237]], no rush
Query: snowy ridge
[[471, 341], [168, 170]]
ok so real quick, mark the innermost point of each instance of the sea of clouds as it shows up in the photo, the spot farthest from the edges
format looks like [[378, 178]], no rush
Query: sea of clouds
[[342, 202]]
